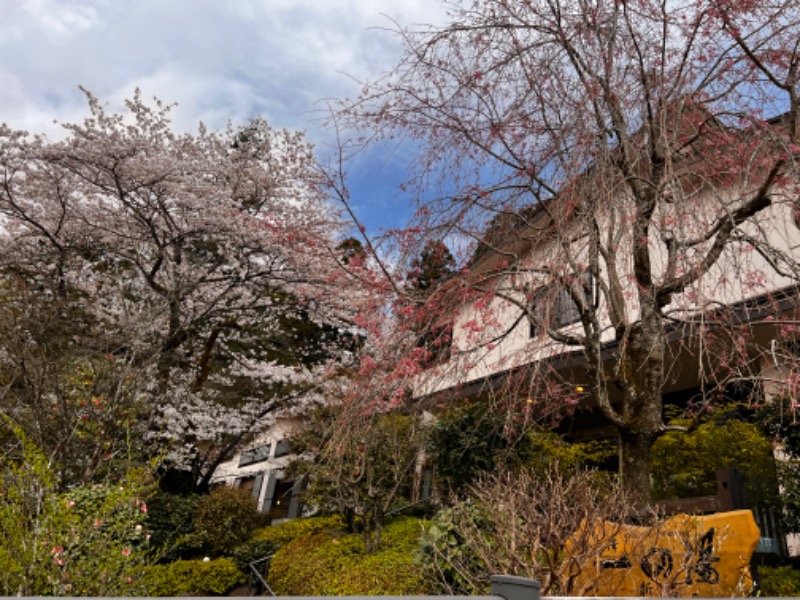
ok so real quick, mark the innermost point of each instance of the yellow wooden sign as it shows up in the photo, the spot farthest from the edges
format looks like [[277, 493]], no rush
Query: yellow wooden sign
[[684, 556]]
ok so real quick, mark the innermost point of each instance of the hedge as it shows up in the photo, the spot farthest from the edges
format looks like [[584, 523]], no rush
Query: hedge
[[195, 577], [286, 532], [332, 563]]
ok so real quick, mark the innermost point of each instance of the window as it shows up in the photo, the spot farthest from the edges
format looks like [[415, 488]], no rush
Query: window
[[246, 483], [254, 455], [553, 306], [282, 448]]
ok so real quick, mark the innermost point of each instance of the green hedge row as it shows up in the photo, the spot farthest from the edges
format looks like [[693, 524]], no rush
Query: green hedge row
[[334, 563], [194, 577]]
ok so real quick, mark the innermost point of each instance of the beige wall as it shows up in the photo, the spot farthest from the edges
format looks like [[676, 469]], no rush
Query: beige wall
[[741, 273]]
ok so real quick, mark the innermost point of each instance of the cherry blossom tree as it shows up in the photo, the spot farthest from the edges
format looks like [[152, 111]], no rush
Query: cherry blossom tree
[[625, 175], [75, 403], [204, 261]]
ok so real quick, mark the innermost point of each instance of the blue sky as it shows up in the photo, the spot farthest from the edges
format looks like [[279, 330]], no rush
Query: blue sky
[[219, 60]]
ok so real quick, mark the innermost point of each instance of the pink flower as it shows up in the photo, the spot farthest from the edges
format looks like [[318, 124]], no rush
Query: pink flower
[[97, 522], [126, 552], [143, 507]]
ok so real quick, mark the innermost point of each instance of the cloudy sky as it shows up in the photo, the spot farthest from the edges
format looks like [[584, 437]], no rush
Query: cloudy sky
[[219, 60]]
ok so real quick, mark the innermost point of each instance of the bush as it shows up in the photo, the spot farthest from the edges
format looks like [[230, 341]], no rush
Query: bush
[[524, 521], [170, 521], [87, 542], [212, 578], [684, 464], [446, 558], [252, 551], [469, 441], [778, 581], [327, 563], [290, 530], [224, 518]]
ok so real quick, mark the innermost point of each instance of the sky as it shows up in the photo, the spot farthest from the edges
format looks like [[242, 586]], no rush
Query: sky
[[219, 61]]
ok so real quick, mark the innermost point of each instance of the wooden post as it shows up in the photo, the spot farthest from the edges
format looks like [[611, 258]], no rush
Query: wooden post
[[730, 490]]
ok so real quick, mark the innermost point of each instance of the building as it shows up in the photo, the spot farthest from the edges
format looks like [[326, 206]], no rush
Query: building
[[673, 284], [260, 466]]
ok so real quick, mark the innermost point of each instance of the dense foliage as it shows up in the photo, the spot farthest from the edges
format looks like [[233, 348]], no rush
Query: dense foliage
[[685, 464], [170, 521], [778, 581], [469, 441], [336, 563], [174, 289], [192, 578], [89, 541], [224, 518], [284, 533]]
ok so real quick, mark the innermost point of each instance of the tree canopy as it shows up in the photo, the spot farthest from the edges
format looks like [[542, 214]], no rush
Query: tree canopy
[[619, 168], [193, 272]]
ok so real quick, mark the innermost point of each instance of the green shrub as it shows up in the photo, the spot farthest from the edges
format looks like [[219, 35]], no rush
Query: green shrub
[[211, 578], [336, 564], [170, 521], [684, 464], [225, 518], [470, 440], [286, 532], [251, 551], [87, 542], [403, 532], [445, 557], [778, 581]]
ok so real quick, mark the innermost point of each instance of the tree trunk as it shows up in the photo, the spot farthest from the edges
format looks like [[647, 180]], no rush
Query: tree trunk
[[373, 528], [634, 464]]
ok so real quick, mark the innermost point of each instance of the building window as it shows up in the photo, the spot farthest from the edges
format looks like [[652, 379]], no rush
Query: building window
[[246, 483], [254, 455], [553, 306], [282, 448]]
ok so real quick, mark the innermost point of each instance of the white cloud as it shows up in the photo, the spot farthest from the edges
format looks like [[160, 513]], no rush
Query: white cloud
[[60, 18], [218, 60]]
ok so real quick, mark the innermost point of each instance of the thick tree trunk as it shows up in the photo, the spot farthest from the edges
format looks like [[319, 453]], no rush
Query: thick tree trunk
[[634, 464], [639, 421]]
